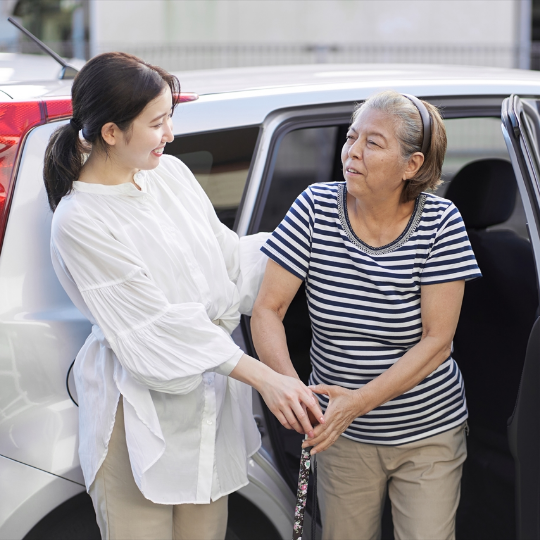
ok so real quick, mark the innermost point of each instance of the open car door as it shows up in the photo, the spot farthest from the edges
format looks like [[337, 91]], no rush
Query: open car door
[[521, 131]]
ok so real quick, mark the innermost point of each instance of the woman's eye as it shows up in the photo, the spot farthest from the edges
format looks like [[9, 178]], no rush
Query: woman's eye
[[372, 143], [349, 137]]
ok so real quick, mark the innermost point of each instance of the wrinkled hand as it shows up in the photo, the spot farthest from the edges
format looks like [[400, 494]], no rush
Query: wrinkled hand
[[343, 407], [290, 400]]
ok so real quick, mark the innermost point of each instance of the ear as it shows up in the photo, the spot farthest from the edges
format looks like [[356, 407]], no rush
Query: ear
[[110, 133], [413, 165]]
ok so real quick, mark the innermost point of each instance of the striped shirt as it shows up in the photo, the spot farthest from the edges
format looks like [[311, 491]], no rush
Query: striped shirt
[[364, 304]]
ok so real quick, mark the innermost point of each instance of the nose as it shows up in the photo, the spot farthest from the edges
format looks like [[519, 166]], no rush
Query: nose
[[168, 135], [355, 150]]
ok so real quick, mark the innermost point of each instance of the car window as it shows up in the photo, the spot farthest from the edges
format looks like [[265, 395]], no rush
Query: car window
[[220, 161], [310, 155], [471, 139], [304, 156]]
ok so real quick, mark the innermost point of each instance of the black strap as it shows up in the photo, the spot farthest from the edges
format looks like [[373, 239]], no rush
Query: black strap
[[67, 382]]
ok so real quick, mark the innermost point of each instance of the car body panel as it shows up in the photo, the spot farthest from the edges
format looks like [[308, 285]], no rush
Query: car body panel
[[40, 331], [28, 495], [29, 68]]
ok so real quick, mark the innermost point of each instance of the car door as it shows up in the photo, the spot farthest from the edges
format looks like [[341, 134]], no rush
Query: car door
[[300, 147], [521, 131]]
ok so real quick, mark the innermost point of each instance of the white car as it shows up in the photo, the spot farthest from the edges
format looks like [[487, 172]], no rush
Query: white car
[[255, 138]]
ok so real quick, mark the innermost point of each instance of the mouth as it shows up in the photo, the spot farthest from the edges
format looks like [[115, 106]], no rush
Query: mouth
[[350, 170], [158, 151]]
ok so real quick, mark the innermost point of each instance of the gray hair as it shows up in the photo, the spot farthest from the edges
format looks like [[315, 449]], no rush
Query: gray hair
[[409, 132]]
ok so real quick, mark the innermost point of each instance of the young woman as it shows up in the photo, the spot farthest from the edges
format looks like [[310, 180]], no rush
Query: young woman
[[385, 265], [166, 426]]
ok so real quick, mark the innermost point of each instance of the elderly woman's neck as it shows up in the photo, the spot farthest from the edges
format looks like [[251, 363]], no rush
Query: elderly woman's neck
[[378, 219]]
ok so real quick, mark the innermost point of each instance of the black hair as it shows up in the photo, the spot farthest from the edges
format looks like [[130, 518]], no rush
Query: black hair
[[111, 87]]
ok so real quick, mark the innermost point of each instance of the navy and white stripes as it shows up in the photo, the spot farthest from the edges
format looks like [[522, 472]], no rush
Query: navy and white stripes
[[364, 304]]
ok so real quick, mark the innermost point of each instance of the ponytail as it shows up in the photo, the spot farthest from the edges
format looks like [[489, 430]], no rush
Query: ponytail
[[111, 87], [63, 163]]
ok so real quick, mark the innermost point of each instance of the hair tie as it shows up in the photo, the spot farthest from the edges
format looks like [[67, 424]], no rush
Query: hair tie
[[75, 125], [426, 121]]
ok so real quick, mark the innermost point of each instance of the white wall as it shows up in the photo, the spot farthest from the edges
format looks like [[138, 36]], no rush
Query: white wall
[[307, 21], [8, 33]]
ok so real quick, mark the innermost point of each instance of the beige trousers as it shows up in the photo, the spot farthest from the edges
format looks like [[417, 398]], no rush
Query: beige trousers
[[123, 513], [423, 480]]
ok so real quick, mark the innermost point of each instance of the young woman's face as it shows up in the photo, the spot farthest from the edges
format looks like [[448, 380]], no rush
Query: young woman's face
[[142, 145], [371, 156]]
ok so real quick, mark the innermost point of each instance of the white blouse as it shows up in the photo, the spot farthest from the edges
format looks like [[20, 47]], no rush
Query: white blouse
[[161, 279]]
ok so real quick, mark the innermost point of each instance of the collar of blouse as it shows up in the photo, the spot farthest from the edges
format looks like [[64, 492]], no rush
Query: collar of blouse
[[128, 188]]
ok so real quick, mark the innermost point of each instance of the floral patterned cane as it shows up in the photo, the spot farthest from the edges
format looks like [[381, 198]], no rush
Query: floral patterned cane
[[301, 496]]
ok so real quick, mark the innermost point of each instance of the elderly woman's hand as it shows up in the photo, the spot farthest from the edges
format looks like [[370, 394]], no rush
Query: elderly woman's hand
[[343, 407]]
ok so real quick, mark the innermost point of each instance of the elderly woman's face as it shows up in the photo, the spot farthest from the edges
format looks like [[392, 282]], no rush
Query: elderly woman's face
[[371, 156]]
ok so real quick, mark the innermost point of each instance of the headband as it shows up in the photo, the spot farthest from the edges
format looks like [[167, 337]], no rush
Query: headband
[[426, 121]]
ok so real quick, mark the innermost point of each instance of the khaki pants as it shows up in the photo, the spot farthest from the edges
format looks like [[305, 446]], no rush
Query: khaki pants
[[423, 480], [123, 513]]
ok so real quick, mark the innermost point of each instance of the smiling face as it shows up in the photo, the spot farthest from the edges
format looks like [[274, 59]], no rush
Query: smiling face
[[141, 146], [371, 157]]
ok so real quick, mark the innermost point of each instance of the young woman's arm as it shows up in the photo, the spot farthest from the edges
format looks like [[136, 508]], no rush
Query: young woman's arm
[[166, 347], [287, 397]]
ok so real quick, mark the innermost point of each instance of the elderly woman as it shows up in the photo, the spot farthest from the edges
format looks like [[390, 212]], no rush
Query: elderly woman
[[385, 264]]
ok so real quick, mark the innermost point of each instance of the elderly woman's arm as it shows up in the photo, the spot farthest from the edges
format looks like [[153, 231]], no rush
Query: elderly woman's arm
[[277, 291], [440, 308]]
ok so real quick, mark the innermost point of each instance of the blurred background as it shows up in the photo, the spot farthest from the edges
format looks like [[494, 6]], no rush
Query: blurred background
[[200, 34]]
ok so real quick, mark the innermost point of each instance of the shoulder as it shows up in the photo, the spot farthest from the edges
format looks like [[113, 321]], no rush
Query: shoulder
[[69, 214], [174, 174], [321, 194], [325, 190], [74, 218], [171, 164], [440, 210]]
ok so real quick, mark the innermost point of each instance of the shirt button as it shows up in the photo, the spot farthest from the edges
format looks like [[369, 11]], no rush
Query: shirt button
[[209, 422]]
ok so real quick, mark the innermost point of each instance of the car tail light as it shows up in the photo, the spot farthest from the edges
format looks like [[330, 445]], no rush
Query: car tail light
[[17, 118], [187, 96]]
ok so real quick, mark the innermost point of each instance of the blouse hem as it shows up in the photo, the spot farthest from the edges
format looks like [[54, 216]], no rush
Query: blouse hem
[[194, 501]]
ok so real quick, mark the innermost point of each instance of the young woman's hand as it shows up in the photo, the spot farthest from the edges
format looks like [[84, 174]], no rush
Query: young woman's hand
[[343, 407], [288, 398]]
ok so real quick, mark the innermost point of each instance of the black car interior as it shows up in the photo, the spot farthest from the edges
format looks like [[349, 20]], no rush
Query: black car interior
[[490, 344]]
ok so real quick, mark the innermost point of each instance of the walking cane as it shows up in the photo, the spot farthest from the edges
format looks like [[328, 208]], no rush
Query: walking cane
[[301, 496]]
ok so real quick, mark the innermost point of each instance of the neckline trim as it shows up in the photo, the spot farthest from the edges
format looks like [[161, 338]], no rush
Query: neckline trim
[[402, 239], [127, 188]]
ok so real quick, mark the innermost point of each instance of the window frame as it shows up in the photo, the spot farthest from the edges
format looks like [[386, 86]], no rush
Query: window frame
[[281, 122], [252, 161]]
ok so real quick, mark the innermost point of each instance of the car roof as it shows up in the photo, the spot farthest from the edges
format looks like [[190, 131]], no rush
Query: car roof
[[231, 98], [487, 79], [246, 96], [433, 79]]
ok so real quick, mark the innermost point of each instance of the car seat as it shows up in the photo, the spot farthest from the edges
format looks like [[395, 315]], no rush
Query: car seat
[[500, 308]]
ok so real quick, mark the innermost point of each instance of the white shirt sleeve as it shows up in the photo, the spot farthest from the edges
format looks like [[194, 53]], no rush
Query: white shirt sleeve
[[167, 347], [243, 257], [228, 240]]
